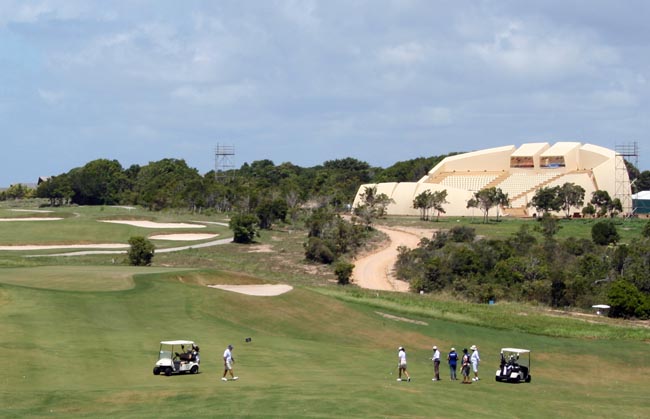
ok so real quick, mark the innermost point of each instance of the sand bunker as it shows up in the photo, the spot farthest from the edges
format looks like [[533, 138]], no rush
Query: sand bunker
[[66, 246], [32, 219], [30, 210], [153, 224], [183, 237], [265, 290]]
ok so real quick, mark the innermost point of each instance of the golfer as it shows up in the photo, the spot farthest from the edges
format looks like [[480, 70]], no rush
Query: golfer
[[465, 367], [475, 360], [436, 364], [228, 360], [401, 364], [452, 358]]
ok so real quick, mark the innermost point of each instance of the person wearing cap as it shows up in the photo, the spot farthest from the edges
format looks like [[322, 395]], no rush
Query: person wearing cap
[[475, 360], [401, 359], [465, 367], [228, 361], [436, 364], [452, 359]]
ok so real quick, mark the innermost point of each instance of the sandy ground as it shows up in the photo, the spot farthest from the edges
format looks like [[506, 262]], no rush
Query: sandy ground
[[266, 290], [183, 237], [30, 210], [375, 271], [32, 219], [67, 246], [152, 224]]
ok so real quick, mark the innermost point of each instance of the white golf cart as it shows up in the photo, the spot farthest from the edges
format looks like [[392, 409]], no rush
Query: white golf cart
[[177, 357], [515, 366]]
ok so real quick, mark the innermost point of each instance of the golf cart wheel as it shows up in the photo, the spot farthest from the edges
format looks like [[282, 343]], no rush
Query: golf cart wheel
[[194, 369], [528, 378], [156, 371], [168, 371]]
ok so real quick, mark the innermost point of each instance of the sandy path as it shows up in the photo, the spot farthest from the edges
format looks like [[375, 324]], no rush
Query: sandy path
[[375, 271]]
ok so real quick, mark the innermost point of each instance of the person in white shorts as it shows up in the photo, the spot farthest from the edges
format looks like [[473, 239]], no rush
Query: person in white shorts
[[475, 360], [401, 359], [228, 361]]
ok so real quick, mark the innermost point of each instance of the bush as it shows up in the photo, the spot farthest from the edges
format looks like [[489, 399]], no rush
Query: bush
[[646, 230], [244, 228], [460, 234], [141, 251], [626, 300], [343, 271], [604, 233], [317, 250]]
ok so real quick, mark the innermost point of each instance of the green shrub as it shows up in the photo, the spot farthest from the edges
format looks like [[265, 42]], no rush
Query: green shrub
[[646, 230], [625, 300], [462, 234], [604, 233], [141, 251], [244, 228], [343, 271], [317, 250]]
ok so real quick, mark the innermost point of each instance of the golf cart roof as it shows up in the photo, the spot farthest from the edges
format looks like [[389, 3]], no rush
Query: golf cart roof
[[600, 306], [176, 342], [521, 351]]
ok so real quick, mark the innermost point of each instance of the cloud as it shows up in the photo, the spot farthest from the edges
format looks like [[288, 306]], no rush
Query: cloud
[[224, 94], [51, 97], [523, 50], [403, 54], [436, 116]]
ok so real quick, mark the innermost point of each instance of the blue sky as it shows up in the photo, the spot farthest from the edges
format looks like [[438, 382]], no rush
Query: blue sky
[[310, 81]]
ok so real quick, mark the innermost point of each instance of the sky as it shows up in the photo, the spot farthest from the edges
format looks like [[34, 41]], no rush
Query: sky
[[308, 81]]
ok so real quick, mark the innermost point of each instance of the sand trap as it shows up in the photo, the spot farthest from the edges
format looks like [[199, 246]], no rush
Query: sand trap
[[32, 219], [265, 290], [183, 237], [153, 224], [401, 319], [30, 210], [66, 246]]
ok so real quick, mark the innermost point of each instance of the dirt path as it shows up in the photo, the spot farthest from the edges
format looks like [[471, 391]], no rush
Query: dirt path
[[375, 271]]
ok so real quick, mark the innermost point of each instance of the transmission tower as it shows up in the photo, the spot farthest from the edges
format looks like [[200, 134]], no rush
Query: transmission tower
[[223, 160], [625, 152]]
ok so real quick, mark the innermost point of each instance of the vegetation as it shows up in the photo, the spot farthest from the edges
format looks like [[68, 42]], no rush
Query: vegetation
[[141, 251]]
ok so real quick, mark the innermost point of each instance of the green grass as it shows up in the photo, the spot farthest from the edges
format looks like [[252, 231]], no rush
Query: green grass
[[83, 349]]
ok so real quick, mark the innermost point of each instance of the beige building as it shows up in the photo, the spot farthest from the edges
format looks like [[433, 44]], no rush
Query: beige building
[[517, 171]]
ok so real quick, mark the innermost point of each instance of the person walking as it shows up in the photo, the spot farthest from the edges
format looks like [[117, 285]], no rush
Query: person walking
[[436, 364], [465, 367], [475, 360], [401, 359], [228, 361], [452, 358]]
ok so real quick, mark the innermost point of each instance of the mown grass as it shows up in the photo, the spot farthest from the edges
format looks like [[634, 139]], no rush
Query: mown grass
[[89, 353]]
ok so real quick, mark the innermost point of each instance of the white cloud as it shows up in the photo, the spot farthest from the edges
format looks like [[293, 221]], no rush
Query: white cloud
[[215, 95], [435, 116], [526, 51], [403, 54], [51, 97]]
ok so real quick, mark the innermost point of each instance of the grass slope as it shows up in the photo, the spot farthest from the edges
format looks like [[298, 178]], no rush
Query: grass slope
[[82, 349]]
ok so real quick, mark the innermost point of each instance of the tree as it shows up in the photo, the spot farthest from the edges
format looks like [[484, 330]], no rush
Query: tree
[[570, 195], [244, 227], [604, 233], [546, 200], [548, 226], [625, 299], [422, 202], [372, 205], [141, 251], [438, 199], [602, 201], [484, 200], [502, 200], [343, 271], [589, 210]]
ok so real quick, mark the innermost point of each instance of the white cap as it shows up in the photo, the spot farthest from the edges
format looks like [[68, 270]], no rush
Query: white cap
[[435, 347]]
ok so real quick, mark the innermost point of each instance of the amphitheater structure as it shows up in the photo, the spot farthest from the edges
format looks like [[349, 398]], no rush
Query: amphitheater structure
[[517, 171]]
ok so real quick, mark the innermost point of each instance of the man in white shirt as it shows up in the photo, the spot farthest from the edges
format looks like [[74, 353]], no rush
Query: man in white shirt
[[475, 360], [436, 364], [228, 361], [401, 359]]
